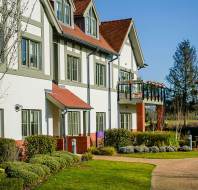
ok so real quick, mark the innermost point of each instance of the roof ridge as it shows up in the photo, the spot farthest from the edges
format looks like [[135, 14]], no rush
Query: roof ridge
[[117, 20]]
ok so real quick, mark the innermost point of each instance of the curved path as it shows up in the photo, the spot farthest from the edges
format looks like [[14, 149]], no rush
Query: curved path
[[169, 174]]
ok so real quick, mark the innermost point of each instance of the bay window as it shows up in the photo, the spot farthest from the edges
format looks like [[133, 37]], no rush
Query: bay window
[[73, 123]]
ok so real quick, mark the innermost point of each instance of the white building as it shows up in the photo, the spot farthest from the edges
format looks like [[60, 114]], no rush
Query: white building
[[65, 82]]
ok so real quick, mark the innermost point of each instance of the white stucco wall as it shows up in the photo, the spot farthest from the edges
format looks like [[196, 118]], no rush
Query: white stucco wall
[[27, 92]]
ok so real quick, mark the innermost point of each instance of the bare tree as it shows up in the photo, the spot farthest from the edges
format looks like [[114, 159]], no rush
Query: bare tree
[[11, 12]]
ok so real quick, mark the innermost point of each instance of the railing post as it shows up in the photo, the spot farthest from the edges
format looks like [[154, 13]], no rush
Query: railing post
[[143, 90], [130, 91], [118, 91]]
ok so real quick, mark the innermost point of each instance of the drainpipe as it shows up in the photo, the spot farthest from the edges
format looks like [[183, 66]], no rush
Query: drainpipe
[[88, 86], [63, 113], [109, 88]]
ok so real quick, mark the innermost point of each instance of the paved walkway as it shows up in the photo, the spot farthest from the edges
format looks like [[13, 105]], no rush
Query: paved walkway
[[169, 174]]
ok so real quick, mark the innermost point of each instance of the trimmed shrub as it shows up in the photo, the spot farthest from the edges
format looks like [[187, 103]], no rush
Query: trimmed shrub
[[68, 159], [126, 150], [184, 149], [170, 149], [86, 157], [139, 149], [39, 145], [53, 163], [11, 184], [162, 148], [94, 150], [150, 139], [117, 138], [108, 151], [146, 149], [7, 150], [154, 149]]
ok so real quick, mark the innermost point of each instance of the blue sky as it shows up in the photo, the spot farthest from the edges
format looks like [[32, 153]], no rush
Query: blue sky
[[161, 25]]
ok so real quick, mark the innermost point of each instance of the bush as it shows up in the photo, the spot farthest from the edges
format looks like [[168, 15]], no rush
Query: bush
[[154, 149], [117, 138], [5, 184], [126, 150], [184, 149], [150, 139], [162, 148], [139, 149], [87, 156], [94, 150], [53, 163], [39, 145], [108, 151], [146, 149], [7, 150], [170, 149]]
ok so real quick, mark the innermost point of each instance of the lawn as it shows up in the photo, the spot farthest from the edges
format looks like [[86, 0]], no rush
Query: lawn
[[102, 175], [163, 155]]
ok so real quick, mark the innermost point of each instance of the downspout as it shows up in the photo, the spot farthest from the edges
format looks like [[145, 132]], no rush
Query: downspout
[[109, 88], [88, 86], [63, 113]]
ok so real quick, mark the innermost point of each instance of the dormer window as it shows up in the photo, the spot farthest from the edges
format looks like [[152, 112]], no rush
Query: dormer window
[[91, 23], [63, 11]]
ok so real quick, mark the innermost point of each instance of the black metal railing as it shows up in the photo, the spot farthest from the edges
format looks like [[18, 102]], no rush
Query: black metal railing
[[140, 90]]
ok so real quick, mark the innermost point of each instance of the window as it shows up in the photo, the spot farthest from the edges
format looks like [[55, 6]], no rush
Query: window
[[73, 69], [31, 53], [73, 123], [63, 11], [1, 123], [100, 122], [91, 23], [124, 75], [125, 121], [31, 122], [100, 75]]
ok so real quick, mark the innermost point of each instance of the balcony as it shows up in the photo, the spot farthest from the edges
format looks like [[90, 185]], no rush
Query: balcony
[[133, 92]]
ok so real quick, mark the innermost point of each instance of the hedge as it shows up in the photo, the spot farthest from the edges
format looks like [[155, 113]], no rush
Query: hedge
[[121, 138], [39, 145], [107, 151], [7, 150], [117, 138], [154, 139], [39, 168], [11, 184]]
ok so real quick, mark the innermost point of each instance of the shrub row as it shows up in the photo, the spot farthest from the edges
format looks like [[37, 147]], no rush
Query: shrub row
[[39, 168], [122, 137], [108, 151], [7, 150], [145, 149], [39, 145]]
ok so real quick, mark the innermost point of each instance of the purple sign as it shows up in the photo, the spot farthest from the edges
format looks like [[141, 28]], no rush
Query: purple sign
[[100, 134]]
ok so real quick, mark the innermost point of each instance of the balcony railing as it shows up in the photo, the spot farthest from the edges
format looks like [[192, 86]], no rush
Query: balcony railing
[[141, 91]]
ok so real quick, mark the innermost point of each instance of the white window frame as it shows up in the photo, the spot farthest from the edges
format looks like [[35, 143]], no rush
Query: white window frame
[[27, 125], [74, 123], [91, 23], [126, 121], [100, 121]]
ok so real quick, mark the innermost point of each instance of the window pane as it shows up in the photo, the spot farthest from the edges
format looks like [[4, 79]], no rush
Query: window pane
[[34, 56], [100, 122], [24, 51], [25, 123], [1, 123], [73, 68], [67, 13], [73, 123], [59, 10], [100, 75]]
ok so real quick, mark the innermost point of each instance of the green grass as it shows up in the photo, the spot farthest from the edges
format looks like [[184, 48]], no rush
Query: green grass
[[102, 175], [163, 155]]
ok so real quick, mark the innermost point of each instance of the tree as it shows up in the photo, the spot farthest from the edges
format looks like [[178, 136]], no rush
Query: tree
[[11, 12], [183, 76]]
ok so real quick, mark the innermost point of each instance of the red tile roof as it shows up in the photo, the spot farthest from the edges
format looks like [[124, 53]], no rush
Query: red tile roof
[[79, 34], [81, 6], [115, 32], [67, 98]]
